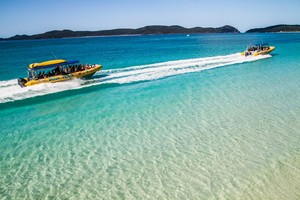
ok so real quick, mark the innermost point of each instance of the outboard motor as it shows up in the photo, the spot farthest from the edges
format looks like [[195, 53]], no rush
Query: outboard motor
[[247, 53], [22, 82]]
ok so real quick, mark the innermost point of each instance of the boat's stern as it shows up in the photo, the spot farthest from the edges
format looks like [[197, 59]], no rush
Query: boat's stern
[[22, 82]]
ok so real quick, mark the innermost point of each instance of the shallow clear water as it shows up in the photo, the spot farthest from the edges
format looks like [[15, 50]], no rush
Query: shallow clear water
[[169, 117]]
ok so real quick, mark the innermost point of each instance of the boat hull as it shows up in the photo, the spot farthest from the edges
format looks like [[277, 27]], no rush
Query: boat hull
[[59, 78], [268, 51]]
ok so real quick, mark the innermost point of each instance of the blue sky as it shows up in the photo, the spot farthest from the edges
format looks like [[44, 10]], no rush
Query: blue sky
[[38, 16]]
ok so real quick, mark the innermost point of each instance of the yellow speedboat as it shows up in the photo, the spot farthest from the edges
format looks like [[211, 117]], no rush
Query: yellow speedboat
[[57, 70], [259, 49]]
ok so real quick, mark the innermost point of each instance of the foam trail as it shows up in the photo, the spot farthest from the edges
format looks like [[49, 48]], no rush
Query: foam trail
[[11, 91]]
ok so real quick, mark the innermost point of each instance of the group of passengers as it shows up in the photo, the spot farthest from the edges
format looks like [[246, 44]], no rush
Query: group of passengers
[[63, 70], [258, 48]]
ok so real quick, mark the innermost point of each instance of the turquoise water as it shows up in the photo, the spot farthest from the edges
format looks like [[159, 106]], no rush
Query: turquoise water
[[168, 117]]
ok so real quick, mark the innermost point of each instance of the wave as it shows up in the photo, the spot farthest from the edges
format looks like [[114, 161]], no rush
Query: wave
[[11, 91]]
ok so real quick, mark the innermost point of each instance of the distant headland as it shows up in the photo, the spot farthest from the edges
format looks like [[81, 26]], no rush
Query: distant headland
[[147, 30], [276, 29], [151, 30]]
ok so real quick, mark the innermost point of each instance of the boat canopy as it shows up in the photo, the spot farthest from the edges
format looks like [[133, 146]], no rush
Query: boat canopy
[[50, 64]]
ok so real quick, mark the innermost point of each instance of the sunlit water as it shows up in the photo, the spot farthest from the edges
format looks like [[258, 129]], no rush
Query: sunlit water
[[168, 117]]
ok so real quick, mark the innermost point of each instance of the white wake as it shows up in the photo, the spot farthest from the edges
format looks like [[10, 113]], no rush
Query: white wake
[[11, 91]]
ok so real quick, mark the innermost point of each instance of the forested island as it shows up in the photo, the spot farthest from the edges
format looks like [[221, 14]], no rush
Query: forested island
[[276, 29], [126, 31], [155, 29]]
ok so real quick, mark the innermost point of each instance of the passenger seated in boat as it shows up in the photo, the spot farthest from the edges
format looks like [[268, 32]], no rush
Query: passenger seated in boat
[[71, 69], [64, 71], [59, 69], [82, 67], [49, 74], [39, 75]]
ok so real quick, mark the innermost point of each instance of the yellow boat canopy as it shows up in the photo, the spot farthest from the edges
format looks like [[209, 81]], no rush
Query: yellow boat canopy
[[51, 63], [46, 63]]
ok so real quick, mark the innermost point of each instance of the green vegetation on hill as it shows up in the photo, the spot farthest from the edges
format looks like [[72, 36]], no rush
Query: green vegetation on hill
[[140, 31], [275, 29]]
